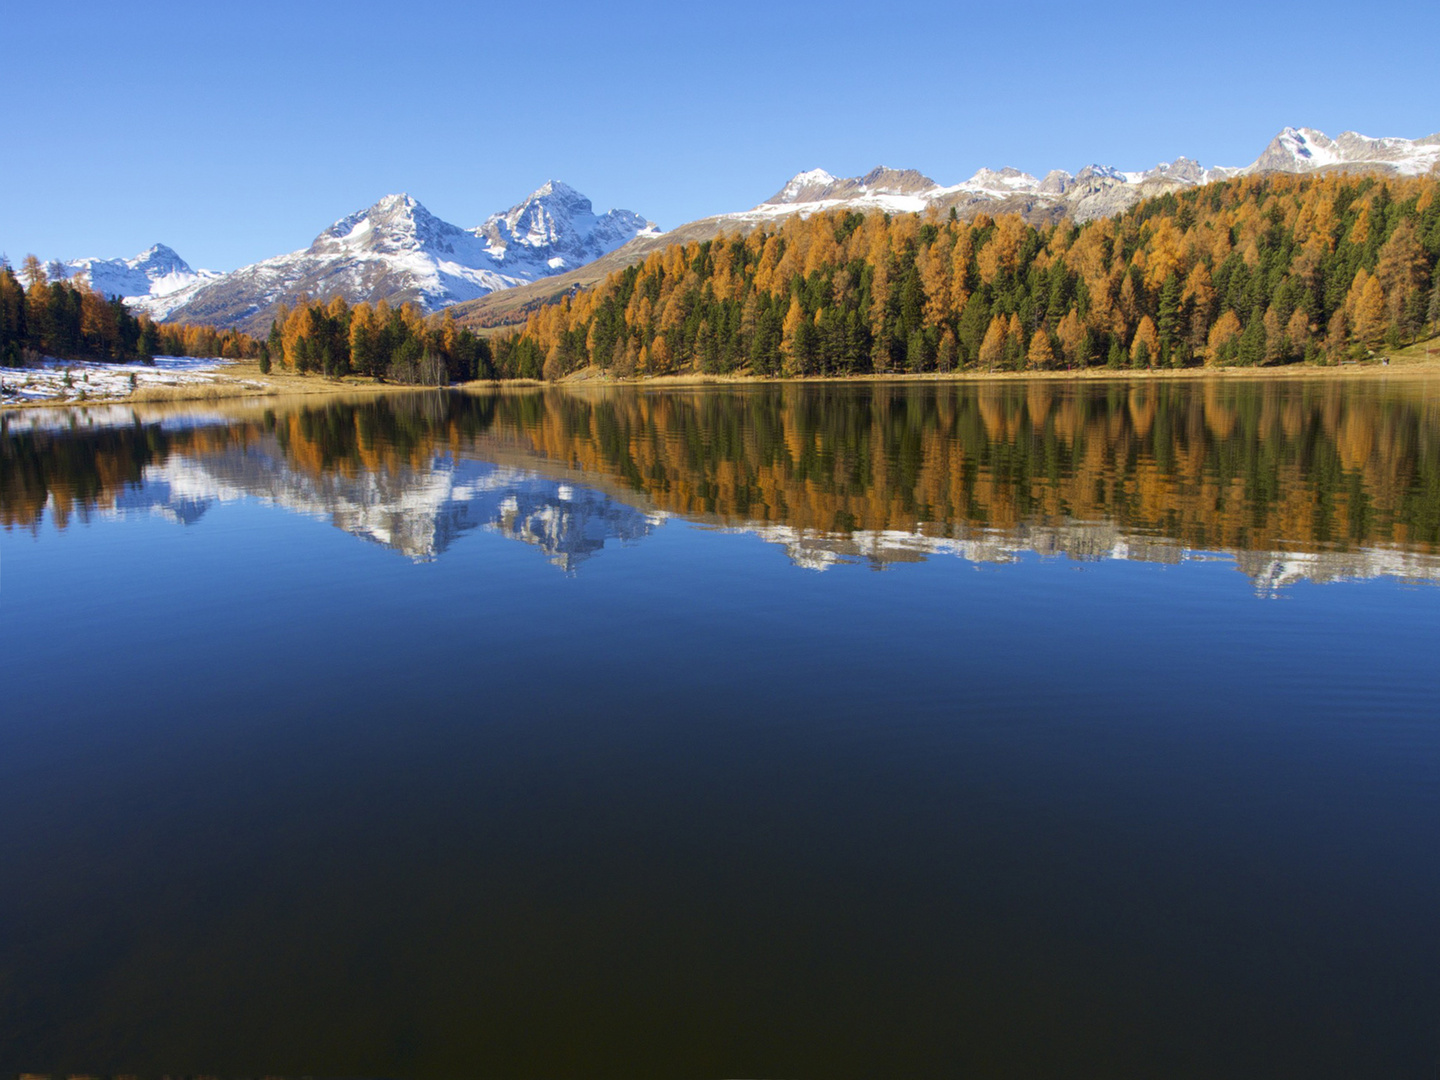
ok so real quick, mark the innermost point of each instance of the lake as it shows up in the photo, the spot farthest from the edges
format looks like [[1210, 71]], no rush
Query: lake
[[832, 730]]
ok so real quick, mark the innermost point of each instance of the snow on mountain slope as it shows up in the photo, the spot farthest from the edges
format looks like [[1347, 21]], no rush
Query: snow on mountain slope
[[1095, 191], [156, 281], [396, 250], [556, 229], [1308, 150], [895, 191]]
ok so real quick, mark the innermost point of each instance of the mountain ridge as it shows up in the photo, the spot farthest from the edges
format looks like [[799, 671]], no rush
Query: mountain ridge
[[398, 251], [156, 281], [552, 241], [1093, 191]]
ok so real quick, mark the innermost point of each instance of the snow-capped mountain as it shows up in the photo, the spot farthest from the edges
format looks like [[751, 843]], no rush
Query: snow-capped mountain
[[556, 229], [554, 241], [1094, 191], [156, 281], [396, 250], [1308, 150]]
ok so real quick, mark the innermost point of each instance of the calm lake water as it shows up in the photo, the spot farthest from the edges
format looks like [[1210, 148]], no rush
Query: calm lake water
[[1013, 729]]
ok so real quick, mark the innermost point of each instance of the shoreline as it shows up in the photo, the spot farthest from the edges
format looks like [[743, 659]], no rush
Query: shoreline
[[242, 379], [1094, 374]]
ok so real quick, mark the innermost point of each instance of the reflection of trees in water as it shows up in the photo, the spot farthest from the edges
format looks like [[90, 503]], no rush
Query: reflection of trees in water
[[1221, 464], [1212, 464]]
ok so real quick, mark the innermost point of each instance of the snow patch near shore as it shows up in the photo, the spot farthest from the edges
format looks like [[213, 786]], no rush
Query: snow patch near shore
[[85, 380]]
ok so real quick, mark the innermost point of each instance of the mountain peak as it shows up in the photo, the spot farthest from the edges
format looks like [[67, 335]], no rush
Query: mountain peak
[[397, 250], [394, 223], [1306, 149], [153, 281], [817, 185], [559, 189], [808, 186], [158, 260], [558, 226], [1003, 180], [887, 181], [812, 176]]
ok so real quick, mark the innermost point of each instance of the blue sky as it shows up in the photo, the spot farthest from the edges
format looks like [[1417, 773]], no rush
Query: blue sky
[[237, 132]]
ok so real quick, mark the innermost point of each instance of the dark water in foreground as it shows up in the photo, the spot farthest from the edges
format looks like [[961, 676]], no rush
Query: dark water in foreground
[[1127, 764]]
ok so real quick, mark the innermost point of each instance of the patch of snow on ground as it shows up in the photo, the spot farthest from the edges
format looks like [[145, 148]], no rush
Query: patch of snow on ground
[[77, 380]]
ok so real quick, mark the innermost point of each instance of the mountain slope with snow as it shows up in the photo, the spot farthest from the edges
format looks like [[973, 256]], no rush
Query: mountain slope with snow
[[556, 229], [553, 241], [1094, 191], [397, 251], [1308, 150], [157, 281]]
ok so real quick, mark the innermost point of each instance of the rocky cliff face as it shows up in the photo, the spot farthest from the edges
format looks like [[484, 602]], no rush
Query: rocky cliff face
[[557, 229]]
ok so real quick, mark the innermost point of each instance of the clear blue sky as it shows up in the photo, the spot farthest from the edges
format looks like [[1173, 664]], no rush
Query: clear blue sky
[[237, 132]]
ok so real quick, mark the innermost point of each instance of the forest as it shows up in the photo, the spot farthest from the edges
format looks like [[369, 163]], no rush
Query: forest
[[68, 320], [396, 344], [1260, 270]]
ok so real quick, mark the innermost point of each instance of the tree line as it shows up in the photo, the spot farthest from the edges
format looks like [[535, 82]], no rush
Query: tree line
[[396, 344], [68, 320], [1252, 271]]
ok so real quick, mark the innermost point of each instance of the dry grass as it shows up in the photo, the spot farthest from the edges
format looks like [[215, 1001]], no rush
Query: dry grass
[[238, 379], [242, 379], [1422, 358], [214, 391]]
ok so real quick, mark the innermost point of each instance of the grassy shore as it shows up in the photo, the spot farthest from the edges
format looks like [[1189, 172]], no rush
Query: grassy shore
[[1422, 358], [236, 379], [242, 379]]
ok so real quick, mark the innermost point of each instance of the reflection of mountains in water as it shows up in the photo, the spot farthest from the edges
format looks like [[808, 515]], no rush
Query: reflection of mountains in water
[[418, 512], [1087, 542], [421, 511]]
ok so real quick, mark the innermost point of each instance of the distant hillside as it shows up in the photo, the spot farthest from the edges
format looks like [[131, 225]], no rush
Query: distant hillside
[[1267, 268], [1095, 191], [552, 242]]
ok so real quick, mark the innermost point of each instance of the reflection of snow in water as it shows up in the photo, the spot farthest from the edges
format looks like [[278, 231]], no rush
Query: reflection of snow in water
[[418, 512], [421, 511], [1087, 542]]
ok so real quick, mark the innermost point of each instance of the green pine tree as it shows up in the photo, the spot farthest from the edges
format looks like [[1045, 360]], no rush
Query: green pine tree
[[1169, 313], [1251, 350]]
